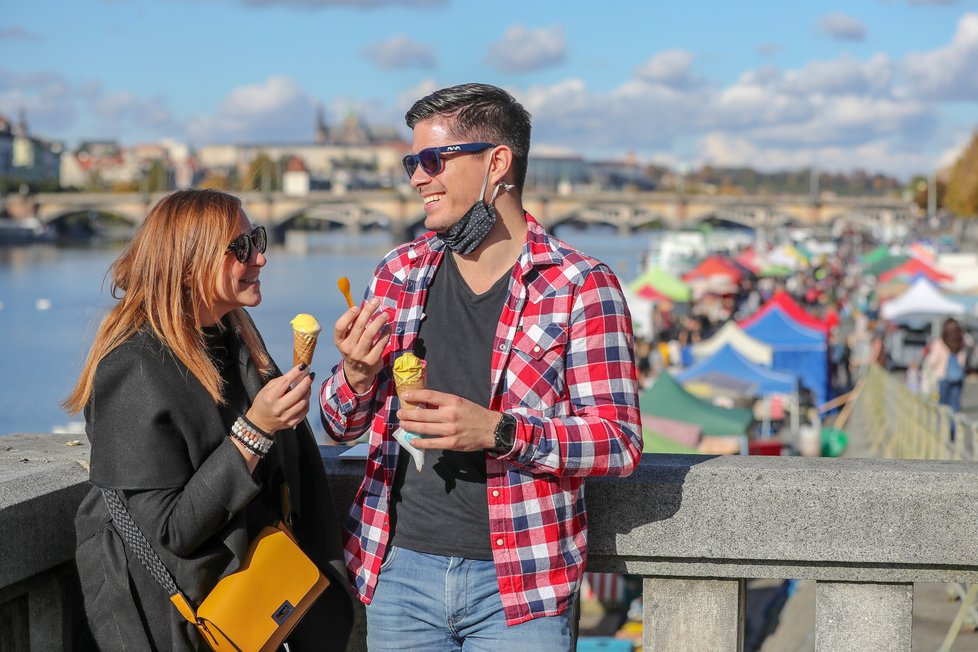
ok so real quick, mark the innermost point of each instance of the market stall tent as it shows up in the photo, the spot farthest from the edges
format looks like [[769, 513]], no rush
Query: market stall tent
[[798, 350], [728, 361], [920, 302], [730, 333], [667, 399]]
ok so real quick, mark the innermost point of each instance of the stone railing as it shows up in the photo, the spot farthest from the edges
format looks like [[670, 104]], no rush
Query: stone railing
[[694, 527]]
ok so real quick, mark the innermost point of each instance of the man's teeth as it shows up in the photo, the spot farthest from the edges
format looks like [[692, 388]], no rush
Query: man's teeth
[[431, 198]]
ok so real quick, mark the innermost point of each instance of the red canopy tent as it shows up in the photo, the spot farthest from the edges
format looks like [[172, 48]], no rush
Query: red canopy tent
[[715, 266], [748, 259], [913, 267], [791, 308]]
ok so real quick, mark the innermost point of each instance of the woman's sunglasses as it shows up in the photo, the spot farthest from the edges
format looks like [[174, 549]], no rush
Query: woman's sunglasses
[[243, 243], [431, 160]]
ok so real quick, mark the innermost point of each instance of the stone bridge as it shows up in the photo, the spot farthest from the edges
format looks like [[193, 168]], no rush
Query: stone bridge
[[403, 213], [694, 527]]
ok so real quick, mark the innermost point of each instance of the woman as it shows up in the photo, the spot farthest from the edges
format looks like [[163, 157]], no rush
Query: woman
[[176, 384], [945, 364]]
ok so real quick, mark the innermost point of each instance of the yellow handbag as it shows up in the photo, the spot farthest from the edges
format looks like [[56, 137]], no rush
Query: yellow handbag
[[252, 609]]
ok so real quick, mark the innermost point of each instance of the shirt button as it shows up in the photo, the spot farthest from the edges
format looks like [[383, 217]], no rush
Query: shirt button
[[536, 349], [499, 542], [495, 493], [502, 347]]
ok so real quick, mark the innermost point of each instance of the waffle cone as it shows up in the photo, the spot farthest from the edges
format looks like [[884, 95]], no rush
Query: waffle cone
[[303, 347], [414, 383]]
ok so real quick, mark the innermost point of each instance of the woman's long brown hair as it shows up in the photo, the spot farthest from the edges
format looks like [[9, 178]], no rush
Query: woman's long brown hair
[[167, 276]]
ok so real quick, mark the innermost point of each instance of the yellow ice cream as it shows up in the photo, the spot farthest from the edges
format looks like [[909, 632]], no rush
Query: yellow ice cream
[[303, 323], [305, 334], [409, 373]]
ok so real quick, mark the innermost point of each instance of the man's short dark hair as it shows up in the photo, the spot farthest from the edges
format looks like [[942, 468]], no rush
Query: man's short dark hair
[[480, 113]]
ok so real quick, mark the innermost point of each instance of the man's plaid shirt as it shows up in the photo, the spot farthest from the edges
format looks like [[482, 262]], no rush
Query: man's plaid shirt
[[562, 364]]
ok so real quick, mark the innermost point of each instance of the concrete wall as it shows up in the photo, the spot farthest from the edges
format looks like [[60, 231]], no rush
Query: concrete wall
[[693, 526]]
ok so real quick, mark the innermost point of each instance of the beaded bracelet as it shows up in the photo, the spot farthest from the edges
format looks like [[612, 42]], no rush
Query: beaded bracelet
[[254, 439]]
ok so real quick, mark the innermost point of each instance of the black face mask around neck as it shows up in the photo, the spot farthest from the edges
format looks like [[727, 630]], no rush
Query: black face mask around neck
[[467, 234]]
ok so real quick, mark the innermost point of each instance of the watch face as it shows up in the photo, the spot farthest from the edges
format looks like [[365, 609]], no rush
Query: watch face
[[506, 431]]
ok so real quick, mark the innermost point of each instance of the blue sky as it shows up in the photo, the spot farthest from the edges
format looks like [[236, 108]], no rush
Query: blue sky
[[885, 85]]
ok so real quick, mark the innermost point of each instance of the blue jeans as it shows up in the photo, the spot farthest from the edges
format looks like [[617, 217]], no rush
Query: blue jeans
[[949, 392], [429, 602]]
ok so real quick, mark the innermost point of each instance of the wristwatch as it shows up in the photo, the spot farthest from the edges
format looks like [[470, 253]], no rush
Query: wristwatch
[[505, 434]]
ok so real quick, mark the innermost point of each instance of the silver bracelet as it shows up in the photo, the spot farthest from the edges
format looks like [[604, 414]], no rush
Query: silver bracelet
[[256, 442]]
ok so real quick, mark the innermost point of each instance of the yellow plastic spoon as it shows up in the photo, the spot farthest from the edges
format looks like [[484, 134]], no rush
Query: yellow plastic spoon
[[344, 285]]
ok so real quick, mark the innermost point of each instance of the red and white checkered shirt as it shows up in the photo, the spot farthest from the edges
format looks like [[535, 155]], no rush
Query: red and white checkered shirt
[[562, 364]]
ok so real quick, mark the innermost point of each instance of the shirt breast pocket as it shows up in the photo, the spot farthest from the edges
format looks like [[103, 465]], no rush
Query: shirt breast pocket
[[535, 375]]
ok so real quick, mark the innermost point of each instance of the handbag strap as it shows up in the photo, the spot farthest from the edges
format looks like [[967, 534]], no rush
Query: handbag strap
[[134, 537]]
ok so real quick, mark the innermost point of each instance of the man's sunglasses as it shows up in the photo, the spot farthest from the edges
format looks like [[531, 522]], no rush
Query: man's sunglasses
[[431, 160], [243, 243]]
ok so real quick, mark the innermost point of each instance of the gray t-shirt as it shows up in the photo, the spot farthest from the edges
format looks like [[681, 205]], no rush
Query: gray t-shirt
[[443, 510]]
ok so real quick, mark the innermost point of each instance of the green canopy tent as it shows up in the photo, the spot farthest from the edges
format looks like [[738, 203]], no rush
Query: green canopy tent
[[667, 398], [656, 443], [875, 255], [885, 264], [663, 283]]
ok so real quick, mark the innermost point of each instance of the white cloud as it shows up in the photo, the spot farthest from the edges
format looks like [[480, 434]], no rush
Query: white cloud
[[843, 28], [275, 110], [948, 73], [723, 149], [672, 68], [48, 100], [399, 53], [15, 32], [768, 49], [407, 97], [522, 49], [842, 76]]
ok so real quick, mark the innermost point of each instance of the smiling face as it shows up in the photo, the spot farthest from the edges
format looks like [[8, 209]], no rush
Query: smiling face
[[450, 193], [237, 284]]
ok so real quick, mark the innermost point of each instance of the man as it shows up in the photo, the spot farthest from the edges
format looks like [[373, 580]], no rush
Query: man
[[531, 387]]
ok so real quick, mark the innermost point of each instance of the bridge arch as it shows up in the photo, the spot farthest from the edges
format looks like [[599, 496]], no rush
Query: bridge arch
[[93, 222], [331, 216]]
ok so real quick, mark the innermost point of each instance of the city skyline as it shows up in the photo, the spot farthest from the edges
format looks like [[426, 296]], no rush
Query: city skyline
[[882, 85]]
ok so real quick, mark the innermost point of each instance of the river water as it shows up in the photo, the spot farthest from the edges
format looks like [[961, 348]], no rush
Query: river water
[[51, 299]]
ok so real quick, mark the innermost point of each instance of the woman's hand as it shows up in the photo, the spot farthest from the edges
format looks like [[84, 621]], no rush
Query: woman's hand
[[283, 402], [361, 335]]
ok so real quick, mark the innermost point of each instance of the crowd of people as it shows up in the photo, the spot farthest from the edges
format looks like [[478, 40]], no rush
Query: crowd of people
[[833, 288]]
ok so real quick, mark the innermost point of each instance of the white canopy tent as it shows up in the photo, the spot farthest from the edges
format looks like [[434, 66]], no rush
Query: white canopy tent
[[922, 301], [730, 333]]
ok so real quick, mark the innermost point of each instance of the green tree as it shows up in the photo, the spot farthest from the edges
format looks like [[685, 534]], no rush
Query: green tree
[[262, 175], [962, 185]]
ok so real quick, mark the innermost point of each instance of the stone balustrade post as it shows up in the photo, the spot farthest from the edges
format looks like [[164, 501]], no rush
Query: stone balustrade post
[[693, 614], [851, 617]]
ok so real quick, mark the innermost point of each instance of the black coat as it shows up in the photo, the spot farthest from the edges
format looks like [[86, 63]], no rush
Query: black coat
[[159, 438]]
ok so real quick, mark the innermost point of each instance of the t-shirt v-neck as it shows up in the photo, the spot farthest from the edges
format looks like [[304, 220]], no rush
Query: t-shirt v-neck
[[449, 494]]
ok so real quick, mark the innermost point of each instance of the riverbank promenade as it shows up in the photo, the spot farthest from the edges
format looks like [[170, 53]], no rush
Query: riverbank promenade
[[877, 540]]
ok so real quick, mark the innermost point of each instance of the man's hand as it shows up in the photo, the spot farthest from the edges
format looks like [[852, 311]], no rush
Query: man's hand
[[361, 336], [449, 422]]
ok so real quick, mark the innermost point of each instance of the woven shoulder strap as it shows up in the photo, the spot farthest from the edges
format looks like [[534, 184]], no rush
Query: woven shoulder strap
[[133, 536]]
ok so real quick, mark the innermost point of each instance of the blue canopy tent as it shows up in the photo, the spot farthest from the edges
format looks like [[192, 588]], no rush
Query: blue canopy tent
[[798, 350], [729, 362]]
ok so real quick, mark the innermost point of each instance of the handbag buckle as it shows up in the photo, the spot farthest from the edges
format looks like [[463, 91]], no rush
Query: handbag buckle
[[283, 612]]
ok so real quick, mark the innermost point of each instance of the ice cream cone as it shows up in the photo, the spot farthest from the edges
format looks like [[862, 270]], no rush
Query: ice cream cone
[[305, 334], [410, 372]]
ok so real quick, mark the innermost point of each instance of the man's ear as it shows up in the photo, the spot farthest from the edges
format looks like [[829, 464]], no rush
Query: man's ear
[[502, 164]]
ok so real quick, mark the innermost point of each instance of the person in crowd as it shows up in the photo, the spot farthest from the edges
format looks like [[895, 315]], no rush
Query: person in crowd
[[531, 388], [839, 373], [945, 364], [197, 431]]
